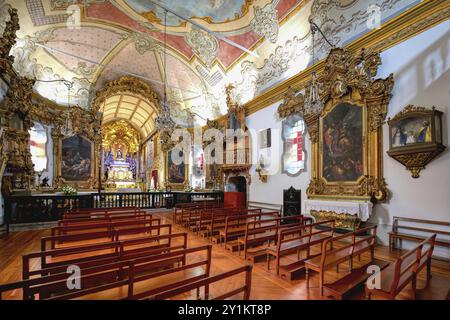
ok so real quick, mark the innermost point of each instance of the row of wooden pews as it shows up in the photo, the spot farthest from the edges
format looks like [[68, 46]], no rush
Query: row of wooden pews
[[117, 253], [309, 247]]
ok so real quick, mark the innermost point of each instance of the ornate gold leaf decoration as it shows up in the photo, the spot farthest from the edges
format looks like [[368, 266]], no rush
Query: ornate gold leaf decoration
[[348, 77], [126, 84], [416, 156]]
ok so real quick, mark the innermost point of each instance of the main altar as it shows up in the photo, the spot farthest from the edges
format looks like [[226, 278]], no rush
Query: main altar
[[120, 160]]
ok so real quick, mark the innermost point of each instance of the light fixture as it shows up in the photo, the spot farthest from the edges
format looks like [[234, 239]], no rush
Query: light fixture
[[313, 104], [164, 122], [67, 128]]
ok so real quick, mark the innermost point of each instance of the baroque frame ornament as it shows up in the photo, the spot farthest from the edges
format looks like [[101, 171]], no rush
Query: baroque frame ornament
[[348, 78]]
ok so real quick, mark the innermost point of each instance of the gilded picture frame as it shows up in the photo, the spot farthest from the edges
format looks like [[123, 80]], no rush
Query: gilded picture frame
[[177, 175], [60, 178], [347, 78]]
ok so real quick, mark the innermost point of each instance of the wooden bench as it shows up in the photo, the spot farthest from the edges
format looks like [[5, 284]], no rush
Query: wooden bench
[[102, 214], [332, 258], [109, 276], [297, 239], [257, 234], [406, 231], [105, 226], [109, 235], [404, 270], [246, 288], [53, 260], [76, 210], [181, 209], [235, 227], [105, 218], [201, 222], [216, 223]]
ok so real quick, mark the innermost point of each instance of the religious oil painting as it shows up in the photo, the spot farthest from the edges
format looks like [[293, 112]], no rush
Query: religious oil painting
[[175, 171], [410, 131], [342, 143], [76, 159]]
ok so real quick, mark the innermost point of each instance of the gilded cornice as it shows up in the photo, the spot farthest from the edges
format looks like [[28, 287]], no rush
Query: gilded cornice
[[407, 25]]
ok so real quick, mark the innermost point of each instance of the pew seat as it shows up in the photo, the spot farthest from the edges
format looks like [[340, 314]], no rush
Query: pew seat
[[399, 274], [418, 230], [343, 287]]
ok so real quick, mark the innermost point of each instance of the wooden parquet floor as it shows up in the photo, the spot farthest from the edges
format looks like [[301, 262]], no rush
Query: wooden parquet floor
[[265, 283]]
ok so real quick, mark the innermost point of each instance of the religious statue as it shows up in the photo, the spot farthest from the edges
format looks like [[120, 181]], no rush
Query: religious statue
[[119, 154]]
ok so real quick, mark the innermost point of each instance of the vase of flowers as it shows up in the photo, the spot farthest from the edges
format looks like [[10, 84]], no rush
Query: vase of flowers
[[69, 191]]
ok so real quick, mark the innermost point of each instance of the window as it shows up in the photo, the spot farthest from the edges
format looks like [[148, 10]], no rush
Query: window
[[294, 155], [38, 143]]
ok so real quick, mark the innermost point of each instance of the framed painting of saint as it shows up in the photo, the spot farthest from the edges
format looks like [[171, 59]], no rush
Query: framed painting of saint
[[76, 159], [176, 168], [342, 143]]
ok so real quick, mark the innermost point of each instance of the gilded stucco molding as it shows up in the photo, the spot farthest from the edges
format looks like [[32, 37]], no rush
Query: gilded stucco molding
[[407, 25]]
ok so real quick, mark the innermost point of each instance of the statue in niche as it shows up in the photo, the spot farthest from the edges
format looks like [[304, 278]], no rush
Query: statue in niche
[[119, 154]]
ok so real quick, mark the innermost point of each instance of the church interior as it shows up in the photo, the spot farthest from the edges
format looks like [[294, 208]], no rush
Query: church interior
[[224, 149]]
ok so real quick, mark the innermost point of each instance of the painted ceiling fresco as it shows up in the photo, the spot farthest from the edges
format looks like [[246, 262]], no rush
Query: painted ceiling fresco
[[214, 11], [125, 37]]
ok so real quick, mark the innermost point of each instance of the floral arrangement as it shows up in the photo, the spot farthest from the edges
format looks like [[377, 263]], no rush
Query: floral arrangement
[[69, 191]]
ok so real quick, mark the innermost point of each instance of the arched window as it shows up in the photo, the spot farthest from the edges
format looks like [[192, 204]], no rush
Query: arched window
[[38, 143], [294, 155]]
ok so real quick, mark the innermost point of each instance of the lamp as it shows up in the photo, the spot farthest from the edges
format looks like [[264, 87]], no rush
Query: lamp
[[67, 128], [164, 122], [313, 103]]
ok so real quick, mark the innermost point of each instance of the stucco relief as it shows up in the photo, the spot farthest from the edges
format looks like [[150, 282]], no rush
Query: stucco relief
[[204, 45], [341, 24], [265, 22]]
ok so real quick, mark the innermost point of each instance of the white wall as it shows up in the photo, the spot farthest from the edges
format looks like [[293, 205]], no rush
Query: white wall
[[272, 191], [421, 68]]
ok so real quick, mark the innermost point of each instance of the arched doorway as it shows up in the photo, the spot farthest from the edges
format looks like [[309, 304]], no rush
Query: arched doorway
[[129, 107]]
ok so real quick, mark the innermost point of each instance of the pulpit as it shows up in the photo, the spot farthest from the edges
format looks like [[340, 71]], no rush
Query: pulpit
[[234, 199]]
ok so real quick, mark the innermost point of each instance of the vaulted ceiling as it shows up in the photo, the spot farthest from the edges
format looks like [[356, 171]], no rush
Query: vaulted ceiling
[[125, 37]]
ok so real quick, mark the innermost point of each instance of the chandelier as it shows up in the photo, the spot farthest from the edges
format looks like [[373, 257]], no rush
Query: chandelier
[[313, 104], [67, 129], [164, 122]]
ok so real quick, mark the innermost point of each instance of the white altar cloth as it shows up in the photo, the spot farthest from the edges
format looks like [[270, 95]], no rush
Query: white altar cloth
[[362, 209]]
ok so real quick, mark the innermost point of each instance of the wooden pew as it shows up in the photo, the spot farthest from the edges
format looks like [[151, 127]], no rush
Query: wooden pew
[[332, 258], [409, 231], [179, 208], [235, 226], [102, 210], [104, 277], [109, 235], [53, 260], [257, 234], [295, 240], [105, 218], [207, 216], [246, 288], [404, 270], [217, 221], [103, 226], [102, 214]]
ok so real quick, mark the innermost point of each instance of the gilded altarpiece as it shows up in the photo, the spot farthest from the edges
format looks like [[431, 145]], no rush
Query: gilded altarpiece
[[346, 136]]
